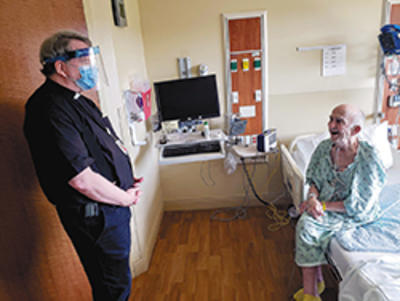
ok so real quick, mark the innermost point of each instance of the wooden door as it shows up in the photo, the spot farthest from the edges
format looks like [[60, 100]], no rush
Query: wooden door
[[245, 44], [246, 68], [38, 261]]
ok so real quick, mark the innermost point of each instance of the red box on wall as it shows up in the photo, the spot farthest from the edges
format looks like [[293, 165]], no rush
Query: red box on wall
[[146, 96]]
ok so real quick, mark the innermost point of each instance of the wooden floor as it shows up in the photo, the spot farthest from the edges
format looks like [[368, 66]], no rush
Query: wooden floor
[[196, 258]]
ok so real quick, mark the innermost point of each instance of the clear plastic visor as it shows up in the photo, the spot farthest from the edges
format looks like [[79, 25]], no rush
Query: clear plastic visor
[[90, 56]]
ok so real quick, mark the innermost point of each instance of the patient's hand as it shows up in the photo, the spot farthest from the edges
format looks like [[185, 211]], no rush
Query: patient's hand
[[313, 207]]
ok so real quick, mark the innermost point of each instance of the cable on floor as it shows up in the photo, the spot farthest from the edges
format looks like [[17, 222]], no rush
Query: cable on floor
[[279, 217]]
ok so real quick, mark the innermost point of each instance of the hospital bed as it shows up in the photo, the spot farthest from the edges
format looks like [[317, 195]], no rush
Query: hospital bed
[[365, 274]]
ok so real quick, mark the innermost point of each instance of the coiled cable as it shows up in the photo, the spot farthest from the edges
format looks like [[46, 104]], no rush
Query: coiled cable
[[279, 217]]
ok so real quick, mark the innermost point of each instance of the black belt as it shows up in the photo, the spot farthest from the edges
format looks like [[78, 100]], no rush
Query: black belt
[[89, 209]]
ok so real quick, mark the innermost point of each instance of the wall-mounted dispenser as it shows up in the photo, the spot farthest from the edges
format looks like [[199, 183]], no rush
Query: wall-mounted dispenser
[[184, 67]]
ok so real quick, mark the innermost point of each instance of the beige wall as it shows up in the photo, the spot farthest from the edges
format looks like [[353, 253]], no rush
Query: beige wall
[[176, 28], [299, 98], [123, 53], [205, 185]]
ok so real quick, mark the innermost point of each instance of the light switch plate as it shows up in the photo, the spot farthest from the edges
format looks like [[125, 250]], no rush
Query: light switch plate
[[257, 95], [235, 97]]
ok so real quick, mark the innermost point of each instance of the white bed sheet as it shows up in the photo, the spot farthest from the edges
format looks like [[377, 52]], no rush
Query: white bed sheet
[[344, 260], [366, 276]]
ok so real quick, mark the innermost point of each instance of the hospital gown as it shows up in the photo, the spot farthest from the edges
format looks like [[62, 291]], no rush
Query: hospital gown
[[359, 186]]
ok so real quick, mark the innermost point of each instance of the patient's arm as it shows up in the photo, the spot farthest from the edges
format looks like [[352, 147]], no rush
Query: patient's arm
[[335, 206], [330, 206], [313, 205]]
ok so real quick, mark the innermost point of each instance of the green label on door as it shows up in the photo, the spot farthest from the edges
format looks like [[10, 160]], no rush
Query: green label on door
[[234, 65], [257, 63]]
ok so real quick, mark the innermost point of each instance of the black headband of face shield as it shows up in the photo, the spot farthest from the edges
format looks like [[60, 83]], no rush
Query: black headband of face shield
[[74, 54]]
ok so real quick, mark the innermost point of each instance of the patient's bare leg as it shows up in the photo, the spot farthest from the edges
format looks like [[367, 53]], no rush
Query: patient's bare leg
[[310, 280], [320, 277], [299, 295]]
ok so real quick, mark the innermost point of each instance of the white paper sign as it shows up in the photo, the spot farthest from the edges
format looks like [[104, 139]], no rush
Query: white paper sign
[[334, 60], [247, 111]]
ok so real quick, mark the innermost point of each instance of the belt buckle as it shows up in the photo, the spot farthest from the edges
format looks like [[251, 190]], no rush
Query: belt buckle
[[91, 210]]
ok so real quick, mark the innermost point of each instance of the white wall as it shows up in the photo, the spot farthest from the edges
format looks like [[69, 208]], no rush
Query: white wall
[[300, 99], [123, 53]]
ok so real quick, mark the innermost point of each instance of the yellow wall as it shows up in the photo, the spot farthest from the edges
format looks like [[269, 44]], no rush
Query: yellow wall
[[123, 53], [299, 98]]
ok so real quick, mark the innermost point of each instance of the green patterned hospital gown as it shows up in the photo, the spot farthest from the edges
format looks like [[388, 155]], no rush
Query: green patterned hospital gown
[[359, 186]]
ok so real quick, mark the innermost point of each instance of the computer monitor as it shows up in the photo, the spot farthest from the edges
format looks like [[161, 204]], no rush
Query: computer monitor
[[187, 99]]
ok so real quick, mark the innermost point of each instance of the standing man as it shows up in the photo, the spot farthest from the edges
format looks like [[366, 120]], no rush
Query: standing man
[[82, 166]]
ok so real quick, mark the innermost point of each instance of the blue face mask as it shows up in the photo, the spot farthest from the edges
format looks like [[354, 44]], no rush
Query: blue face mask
[[89, 77]]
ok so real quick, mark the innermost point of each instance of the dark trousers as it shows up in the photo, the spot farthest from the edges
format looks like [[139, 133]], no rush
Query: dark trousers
[[103, 245]]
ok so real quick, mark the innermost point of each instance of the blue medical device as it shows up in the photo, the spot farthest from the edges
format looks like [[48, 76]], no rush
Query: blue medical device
[[390, 39], [267, 141]]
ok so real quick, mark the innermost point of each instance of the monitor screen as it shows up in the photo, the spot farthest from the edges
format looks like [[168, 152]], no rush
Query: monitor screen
[[189, 98]]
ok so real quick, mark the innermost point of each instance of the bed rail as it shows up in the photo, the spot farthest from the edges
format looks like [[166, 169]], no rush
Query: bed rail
[[293, 179]]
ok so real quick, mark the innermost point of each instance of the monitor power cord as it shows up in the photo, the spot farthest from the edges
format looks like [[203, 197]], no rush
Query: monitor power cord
[[279, 217]]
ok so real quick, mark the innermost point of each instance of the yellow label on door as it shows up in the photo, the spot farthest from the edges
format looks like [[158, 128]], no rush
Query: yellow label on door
[[245, 64]]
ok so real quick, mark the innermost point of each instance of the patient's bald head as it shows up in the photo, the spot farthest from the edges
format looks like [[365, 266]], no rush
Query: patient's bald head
[[353, 115], [345, 122]]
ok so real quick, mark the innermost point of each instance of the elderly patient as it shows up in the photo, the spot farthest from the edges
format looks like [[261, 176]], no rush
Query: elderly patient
[[345, 178]]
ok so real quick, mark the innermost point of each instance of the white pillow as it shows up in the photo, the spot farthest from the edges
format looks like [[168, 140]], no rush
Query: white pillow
[[303, 147], [377, 136]]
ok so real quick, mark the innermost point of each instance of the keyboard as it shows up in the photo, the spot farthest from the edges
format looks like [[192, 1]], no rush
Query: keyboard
[[191, 149]]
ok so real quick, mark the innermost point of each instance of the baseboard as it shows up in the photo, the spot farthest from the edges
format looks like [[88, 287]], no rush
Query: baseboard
[[141, 265], [215, 203]]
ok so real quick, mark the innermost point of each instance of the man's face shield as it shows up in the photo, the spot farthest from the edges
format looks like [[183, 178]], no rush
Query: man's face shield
[[90, 65]]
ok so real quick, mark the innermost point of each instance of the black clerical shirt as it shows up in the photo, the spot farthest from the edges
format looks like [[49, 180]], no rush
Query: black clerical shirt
[[67, 133]]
